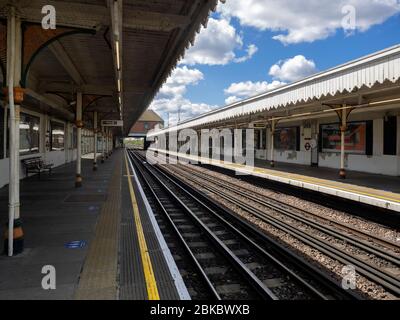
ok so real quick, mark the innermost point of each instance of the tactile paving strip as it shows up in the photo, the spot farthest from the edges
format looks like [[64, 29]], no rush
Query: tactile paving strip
[[132, 280], [98, 279]]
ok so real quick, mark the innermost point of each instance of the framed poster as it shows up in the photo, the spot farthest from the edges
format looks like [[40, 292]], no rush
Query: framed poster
[[287, 138], [355, 137]]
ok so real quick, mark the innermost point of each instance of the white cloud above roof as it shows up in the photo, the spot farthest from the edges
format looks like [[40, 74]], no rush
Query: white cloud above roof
[[241, 90], [293, 69], [232, 99], [289, 70], [170, 107], [171, 96], [217, 45], [298, 21], [180, 78]]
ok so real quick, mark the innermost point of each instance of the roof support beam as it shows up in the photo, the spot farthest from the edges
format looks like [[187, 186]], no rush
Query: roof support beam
[[48, 85], [59, 53], [69, 115], [90, 16]]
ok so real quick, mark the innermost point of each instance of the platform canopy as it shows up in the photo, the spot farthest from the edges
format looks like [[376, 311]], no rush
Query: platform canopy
[[368, 80], [117, 53]]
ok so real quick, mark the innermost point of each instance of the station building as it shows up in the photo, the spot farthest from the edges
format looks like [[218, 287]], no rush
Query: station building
[[346, 118], [149, 120]]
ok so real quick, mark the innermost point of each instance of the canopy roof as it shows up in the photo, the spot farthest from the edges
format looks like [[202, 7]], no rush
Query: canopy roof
[[353, 78], [145, 38]]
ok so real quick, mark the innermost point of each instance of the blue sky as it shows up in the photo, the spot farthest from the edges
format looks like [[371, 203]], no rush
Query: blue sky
[[315, 41]]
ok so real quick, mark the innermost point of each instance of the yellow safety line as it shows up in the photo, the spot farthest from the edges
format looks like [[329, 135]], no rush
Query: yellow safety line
[[316, 181], [151, 284]]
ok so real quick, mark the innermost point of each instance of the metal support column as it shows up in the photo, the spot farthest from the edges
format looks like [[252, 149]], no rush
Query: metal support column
[[111, 143], [273, 125], [14, 242], [79, 125], [103, 144], [95, 140], [106, 148], [343, 129]]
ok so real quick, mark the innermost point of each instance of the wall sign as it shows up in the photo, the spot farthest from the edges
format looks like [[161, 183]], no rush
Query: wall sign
[[112, 123]]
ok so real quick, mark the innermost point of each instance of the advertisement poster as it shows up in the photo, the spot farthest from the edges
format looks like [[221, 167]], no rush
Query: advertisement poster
[[285, 138], [355, 138]]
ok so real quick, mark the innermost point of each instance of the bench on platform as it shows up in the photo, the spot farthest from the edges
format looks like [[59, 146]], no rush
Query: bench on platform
[[36, 165]]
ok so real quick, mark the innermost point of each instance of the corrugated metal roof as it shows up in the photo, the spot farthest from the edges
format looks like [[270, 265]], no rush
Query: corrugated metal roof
[[368, 71], [154, 36]]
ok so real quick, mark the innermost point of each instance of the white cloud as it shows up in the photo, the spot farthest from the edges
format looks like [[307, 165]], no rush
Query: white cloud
[[307, 20], [289, 70], [170, 107], [216, 45], [251, 51], [171, 98], [249, 88], [241, 90], [232, 99], [180, 78], [293, 69]]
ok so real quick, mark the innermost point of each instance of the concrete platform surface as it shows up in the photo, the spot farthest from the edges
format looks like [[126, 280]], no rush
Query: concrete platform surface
[[54, 213], [103, 214]]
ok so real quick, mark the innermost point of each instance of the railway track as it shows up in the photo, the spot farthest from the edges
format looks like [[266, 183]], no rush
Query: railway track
[[265, 209], [232, 259], [387, 249]]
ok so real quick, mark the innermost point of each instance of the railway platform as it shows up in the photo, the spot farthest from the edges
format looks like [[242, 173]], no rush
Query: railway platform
[[100, 238], [371, 189]]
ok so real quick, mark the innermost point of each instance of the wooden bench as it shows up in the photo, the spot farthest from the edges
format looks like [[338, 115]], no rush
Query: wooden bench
[[36, 165]]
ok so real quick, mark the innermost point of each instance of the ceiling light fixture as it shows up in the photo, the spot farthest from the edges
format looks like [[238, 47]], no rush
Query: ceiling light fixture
[[117, 54]]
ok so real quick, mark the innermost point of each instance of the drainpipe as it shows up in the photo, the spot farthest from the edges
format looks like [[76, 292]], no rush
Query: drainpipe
[[343, 128], [79, 126], [95, 140]]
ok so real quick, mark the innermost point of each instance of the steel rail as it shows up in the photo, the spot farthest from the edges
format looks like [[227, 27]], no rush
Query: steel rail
[[260, 288], [388, 281], [261, 250], [389, 256], [192, 257]]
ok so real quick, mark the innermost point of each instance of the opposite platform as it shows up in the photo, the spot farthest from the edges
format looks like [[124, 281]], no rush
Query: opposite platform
[[320, 181]]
